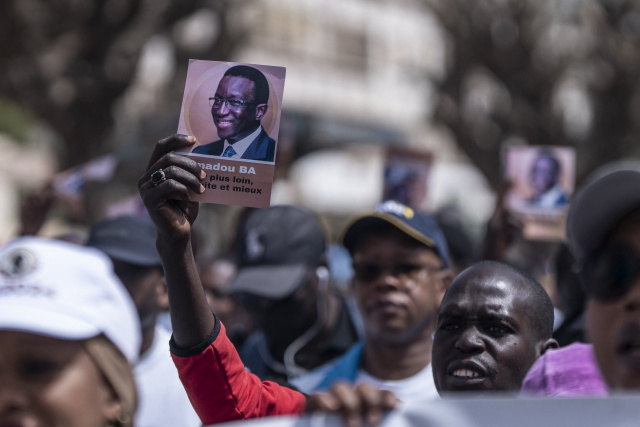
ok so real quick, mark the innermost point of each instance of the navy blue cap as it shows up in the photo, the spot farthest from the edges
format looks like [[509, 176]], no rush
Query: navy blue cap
[[127, 239], [421, 227]]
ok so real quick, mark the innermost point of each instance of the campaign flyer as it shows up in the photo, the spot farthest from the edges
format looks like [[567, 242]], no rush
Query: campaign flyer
[[233, 110]]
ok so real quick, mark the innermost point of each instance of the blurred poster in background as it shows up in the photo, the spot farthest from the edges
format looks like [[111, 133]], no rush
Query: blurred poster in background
[[406, 177], [541, 181]]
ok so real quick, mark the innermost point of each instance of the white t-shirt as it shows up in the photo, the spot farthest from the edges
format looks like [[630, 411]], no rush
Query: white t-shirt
[[162, 398], [416, 388]]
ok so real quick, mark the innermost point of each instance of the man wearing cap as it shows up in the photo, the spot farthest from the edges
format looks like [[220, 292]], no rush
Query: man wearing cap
[[130, 243], [283, 282], [603, 229], [401, 273], [400, 258], [69, 335]]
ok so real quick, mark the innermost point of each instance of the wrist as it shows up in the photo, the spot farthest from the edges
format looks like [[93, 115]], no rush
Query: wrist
[[169, 245]]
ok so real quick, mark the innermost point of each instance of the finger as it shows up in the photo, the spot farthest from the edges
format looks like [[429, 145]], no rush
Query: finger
[[321, 402], [170, 144], [184, 177], [169, 160], [160, 194], [374, 401], [348, 403]]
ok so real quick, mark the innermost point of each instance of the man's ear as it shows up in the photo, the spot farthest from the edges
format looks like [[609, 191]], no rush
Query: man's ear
[[261, 110], [549, 344], [445, 277], [111, 405]]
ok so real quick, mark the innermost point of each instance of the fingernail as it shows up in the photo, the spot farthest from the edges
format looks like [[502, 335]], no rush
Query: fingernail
[[191, 138], [201, 188], [203, 175]]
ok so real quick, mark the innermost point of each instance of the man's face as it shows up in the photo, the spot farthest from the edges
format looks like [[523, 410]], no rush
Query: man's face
[[215, 278], [236, 123], [397, 286], [51, 382], [484, 338], [614, 326], [144, 284], [543, 175]]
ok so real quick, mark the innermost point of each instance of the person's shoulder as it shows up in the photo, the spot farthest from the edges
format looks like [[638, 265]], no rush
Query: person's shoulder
[[209, 147], [342, 368], [566, 371]]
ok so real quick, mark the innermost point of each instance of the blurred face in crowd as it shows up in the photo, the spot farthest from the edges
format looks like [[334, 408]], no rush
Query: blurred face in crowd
[[398, 285], [144, 284], [235, 123], [544, 175], [484, 338], [49, 382], [613, 318], [274, 316], [215, 278]]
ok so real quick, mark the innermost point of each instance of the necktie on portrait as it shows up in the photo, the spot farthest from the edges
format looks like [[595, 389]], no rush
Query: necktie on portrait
[[229, 152]]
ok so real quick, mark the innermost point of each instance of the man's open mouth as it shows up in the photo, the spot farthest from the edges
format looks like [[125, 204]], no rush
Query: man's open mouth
[[465, 373]]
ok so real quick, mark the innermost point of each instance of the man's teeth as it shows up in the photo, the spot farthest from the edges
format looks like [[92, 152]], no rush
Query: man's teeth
[[465, 373]]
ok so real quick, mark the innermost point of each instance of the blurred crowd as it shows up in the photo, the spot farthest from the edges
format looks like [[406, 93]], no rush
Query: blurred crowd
[[134, 326]]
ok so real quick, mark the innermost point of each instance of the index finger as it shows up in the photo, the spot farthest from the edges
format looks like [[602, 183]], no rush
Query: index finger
[[168, 145]]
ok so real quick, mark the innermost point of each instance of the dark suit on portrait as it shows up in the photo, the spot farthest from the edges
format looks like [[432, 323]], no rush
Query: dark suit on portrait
[[262, 148]]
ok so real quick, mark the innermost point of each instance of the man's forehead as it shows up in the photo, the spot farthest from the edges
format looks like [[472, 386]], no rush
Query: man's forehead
[[485, 290], [235, 83]]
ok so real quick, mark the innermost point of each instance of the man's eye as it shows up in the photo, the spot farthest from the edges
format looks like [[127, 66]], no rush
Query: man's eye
[[40, 368], [497, 329], [406, 268], [449, 327], [235, 102]]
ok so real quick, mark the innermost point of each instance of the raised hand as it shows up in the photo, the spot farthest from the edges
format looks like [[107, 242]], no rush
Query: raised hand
[[168, 199]]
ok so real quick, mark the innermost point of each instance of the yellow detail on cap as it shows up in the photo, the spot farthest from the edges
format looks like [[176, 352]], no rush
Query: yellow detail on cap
[[408, 213]]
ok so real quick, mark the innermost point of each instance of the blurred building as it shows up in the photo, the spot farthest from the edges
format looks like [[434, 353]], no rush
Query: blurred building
[[359, 78]]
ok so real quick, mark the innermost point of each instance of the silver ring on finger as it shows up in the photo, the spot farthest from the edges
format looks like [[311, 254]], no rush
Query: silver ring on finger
[[158, 177]]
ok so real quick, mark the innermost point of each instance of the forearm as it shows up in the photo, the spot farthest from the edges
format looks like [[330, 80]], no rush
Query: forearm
[[221, 390], [191, 318]]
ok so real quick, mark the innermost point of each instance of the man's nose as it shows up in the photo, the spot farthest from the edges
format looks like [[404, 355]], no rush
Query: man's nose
[[224, 108], [13, 395], [470, 341], [632, 297], [387, 280]]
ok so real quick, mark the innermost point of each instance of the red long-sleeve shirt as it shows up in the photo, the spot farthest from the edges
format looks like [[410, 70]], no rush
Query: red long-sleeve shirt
[[221, 390]]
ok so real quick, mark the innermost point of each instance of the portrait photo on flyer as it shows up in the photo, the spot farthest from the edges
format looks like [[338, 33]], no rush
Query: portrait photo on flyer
[[233, 110]]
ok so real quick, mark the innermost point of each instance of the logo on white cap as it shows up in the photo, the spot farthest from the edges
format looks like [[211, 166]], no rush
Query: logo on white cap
[[18, 264]]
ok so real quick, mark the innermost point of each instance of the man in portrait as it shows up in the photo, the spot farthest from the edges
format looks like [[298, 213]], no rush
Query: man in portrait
[[239, 104], [545, 182]]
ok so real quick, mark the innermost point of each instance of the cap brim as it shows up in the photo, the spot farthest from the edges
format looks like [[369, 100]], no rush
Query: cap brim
[[43, 322], [270, 281], [599, 207], [358, 225]]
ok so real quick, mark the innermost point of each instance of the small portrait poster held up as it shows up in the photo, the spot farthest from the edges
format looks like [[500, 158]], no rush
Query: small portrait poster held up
[[542, 179], [406, 177], [233, 110]]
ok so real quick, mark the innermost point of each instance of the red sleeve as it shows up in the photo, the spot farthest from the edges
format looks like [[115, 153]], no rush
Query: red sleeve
[[221, 390]]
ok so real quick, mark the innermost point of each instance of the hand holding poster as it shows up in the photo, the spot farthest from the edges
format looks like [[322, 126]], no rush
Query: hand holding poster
[[233, 110]]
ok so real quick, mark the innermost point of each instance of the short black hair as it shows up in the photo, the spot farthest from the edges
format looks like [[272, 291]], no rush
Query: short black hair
[[256, 76], [539, 303]]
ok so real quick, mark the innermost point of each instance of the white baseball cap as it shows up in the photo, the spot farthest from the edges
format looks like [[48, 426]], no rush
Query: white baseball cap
[[65, 291]]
